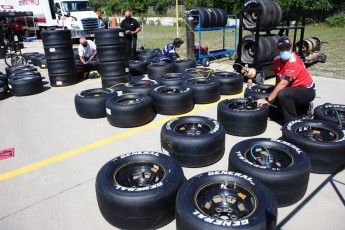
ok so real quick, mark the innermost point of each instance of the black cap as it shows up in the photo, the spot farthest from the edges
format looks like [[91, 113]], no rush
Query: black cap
[[284, 42], [178, 41]]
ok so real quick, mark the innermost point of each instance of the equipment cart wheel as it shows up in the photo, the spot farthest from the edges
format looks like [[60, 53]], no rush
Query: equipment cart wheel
[[205, 62], [260, 78]]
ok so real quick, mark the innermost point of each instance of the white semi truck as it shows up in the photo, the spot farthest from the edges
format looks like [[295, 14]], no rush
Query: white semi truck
[[75, 15]]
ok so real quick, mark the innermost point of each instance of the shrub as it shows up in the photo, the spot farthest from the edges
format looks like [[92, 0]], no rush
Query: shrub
[[338, 20]]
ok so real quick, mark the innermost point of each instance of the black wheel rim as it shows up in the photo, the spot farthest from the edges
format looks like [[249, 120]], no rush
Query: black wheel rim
[[141, 84], [332, 113], [170, 90], [319, 134], [226, 200], [243, 105], [273, 158], [200, 82], [192, 129], [128, 101], [139, 174]]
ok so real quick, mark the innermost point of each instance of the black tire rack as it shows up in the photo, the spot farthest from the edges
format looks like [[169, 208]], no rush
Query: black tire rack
[[264, 69]]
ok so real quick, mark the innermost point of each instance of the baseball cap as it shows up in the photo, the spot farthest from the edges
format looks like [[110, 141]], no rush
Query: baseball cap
[[283, 42]]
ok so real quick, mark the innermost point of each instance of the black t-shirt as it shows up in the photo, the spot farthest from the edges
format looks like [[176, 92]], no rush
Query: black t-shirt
[[130, 24]]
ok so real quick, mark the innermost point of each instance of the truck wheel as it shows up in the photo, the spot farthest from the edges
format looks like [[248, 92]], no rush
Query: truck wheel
[[129, 110], [91, 103], [242, 117], [171, 100], [194, 141], [323, 141], [138, 190], [281, 166], [220, 200]]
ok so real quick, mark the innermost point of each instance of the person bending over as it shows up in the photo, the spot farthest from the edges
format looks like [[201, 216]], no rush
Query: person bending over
[[168, 53]]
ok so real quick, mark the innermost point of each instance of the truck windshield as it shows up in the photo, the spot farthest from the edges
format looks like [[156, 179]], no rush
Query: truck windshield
[[72, 6]]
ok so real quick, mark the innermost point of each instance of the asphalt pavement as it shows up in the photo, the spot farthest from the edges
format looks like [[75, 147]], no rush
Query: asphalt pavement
[[50, 181]]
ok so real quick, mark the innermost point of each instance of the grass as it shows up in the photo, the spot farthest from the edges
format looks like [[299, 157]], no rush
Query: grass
[[334, 47]]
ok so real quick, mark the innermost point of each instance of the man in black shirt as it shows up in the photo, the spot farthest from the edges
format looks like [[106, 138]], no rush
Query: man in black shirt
[[132, 28]]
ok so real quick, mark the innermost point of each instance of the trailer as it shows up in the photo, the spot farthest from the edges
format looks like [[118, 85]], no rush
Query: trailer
[[75, 15]]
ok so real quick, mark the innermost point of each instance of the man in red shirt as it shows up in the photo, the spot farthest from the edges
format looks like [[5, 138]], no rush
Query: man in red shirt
[[295, 89]]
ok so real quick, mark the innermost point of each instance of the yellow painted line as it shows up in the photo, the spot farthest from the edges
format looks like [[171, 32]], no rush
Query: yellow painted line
[[96, 144]]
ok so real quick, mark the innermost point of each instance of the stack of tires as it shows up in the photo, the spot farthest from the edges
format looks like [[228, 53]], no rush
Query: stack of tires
[[112, 57], [60, 59], [23, 80], [209, 17], [259, 15]]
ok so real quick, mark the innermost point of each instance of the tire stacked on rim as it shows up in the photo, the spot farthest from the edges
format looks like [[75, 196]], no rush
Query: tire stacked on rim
[[112, 57], [60, 58]]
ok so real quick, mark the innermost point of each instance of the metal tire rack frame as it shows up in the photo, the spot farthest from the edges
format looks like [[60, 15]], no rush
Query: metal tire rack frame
[[204, 59], [265, 69]]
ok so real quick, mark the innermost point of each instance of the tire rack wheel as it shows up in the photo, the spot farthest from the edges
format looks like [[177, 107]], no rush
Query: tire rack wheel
[[205, 62], [129, 110], [258, 91], [141, 87], [330, 112], [155, 70], [56, 37], [242, 117], [194, 141], [25, 85], [138, 68], [172, 100], [205, 90], [115, 83], [60, 66], [91, 103], [323, 141], [139, 189], [112, 36], [230, 82], [63, 79], [115, 68], [181, 66], [171, 79], [284, 169], [219, 200]]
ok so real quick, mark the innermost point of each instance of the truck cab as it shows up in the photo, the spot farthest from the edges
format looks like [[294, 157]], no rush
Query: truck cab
[[76, 15]]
